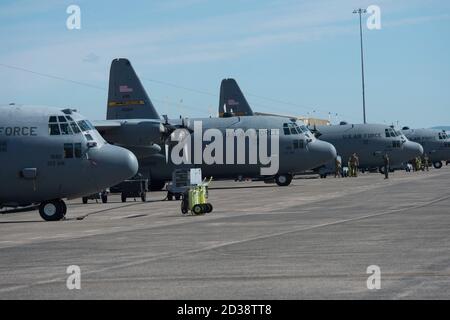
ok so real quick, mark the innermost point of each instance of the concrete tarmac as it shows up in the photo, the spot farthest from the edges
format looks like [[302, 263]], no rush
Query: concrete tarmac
[[313, 239]]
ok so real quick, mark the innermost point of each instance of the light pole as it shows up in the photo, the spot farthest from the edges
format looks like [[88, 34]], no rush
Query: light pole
[[360, 12]]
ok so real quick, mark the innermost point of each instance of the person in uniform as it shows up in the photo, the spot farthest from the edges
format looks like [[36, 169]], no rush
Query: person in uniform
[[338, 167], [426, 162], [386, 165], [350, 169], [354, 160]]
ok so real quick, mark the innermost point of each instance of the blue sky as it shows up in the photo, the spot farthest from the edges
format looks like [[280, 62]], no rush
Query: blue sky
[[289, 57]]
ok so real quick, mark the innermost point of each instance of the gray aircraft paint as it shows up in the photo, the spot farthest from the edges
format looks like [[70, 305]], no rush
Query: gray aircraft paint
[[313, 153], [35, 166], [369, 141], [435, 142]]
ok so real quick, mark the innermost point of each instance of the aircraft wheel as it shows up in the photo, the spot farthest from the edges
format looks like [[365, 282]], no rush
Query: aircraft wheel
[[123, 198], [169, 196], [53, 210], [197, 209], [184, 206], [85, 200], [104, 198], [437, 164], [144, 196], [283, 180], [177, 197], [381, 169]]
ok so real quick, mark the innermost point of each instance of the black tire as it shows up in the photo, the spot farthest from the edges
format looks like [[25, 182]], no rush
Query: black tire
[[123, 198], [437, 164], [184, 206], [53, 210], [64, 207], [177, 196], [197, 209], [169, 196], [209, 207], [283, 180], [104, 198], [144, 196], [157, 185], [85, 200]]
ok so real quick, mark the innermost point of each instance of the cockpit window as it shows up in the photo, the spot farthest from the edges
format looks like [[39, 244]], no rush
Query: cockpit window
[[85, 125], [53, 129], [391, 133], [75, 128], [293, 128], [443, 136], [60, 125], [65, 129]]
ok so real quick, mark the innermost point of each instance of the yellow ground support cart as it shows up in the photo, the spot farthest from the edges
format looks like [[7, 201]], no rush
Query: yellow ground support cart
[[195, 199]]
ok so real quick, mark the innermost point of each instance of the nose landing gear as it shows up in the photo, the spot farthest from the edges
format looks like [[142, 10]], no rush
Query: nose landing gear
[[283, 180], [53, 210]]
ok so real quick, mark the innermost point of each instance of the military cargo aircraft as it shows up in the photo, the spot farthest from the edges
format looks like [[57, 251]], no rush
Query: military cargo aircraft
[[436, 143], [370, 141], [128, 105], [48, 154]]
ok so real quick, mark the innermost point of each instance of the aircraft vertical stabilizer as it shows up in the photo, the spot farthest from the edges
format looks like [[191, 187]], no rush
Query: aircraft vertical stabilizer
[[127, 98], [232, 102]]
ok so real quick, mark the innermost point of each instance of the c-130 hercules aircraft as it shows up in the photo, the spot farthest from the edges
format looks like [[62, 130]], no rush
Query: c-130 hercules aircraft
[[132, 122], [370, 141], [48, 154], [436, 143]]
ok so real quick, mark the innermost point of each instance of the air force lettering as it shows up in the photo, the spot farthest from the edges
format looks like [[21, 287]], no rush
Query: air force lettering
[[18, 131]]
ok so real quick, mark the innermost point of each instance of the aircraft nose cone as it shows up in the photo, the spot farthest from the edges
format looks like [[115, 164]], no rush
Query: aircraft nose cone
[[413, 149], [113, 165], [322, 152]]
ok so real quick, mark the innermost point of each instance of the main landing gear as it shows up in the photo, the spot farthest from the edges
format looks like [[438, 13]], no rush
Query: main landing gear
[[437, 164]]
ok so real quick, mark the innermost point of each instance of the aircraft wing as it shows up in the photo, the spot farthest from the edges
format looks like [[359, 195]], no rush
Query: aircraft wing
[[139, 133], [105, 125]]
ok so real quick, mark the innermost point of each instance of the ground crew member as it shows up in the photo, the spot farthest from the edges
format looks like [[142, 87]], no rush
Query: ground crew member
[[350, 169], [386, 166], [354, 161], [418, 164], [426, 162], [338, 167]]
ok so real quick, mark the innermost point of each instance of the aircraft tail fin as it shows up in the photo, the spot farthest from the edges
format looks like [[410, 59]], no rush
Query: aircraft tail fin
[[232, 101], [127, 98]]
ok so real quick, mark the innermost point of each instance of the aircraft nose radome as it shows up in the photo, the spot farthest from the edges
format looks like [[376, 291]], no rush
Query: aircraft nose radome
[[414, 149], [115, 164], [322, 151]]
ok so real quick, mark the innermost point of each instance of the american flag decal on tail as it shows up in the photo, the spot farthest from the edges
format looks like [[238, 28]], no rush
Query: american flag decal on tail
[[125, 89]]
